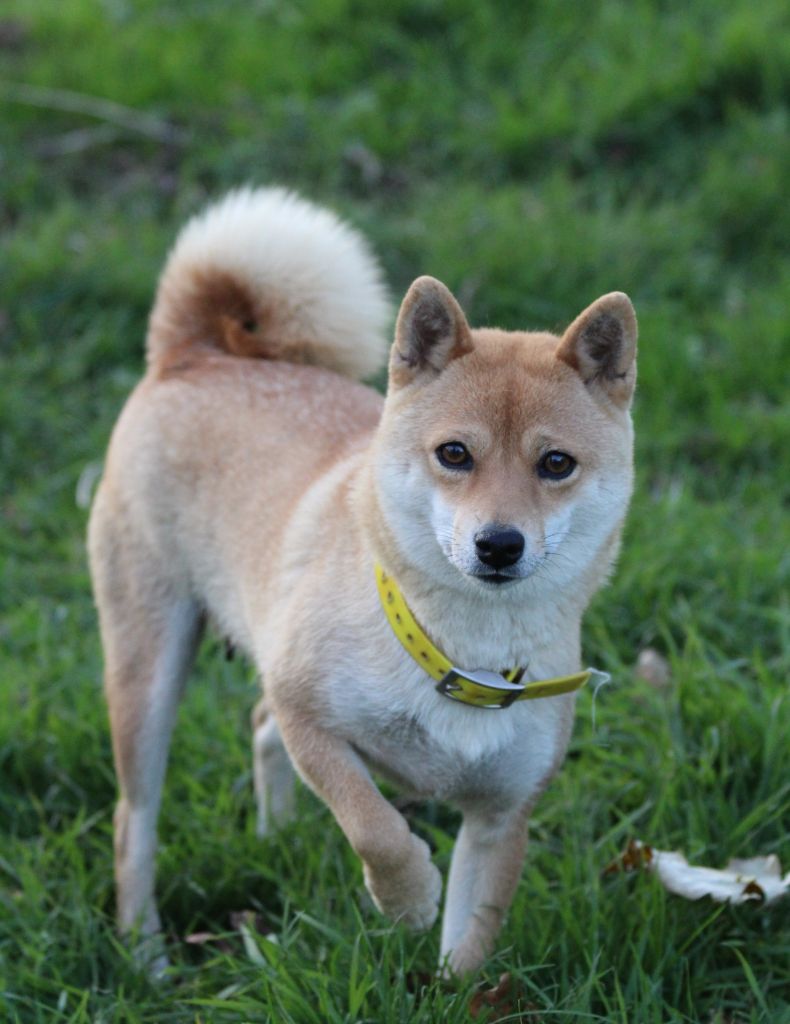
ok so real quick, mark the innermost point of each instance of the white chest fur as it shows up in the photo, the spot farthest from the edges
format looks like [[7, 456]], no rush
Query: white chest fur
[[433, 746]]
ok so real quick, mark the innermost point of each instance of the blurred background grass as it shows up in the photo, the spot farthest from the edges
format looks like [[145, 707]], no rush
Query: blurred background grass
[[532, 156]]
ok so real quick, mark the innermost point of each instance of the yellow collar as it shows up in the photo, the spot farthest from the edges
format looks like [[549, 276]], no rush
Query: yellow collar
[[479, 687]]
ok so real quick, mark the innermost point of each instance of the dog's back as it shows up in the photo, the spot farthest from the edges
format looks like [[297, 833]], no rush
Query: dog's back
[[261, 296]]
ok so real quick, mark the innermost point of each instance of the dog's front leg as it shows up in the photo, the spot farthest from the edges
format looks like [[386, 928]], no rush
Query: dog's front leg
[[484, 873], [398, 872]]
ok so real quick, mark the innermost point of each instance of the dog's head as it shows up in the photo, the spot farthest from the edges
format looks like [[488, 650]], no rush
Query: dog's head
[[507, 456]]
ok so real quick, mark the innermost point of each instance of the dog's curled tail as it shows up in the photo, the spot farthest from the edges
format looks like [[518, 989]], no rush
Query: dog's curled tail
[[263, 273]]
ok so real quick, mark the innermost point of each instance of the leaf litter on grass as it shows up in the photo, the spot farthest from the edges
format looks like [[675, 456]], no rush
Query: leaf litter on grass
[[750, 880]]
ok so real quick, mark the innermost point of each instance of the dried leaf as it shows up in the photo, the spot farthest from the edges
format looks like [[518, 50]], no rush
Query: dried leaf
[[200, 938], [653, 668], [219, 942], [497, 997], [504, 1001], [635, 855], [758, 879]]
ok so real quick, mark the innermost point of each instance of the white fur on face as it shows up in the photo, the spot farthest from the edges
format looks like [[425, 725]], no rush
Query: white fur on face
[[576, 532], [439, 537], [423, 532], [443, 524]]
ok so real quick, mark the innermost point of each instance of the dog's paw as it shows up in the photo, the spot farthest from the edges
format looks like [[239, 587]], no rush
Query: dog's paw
[[149, 957], [465, 960], [409, 891]]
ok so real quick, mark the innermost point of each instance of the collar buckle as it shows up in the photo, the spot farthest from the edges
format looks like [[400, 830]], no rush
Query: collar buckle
[[481, 688]]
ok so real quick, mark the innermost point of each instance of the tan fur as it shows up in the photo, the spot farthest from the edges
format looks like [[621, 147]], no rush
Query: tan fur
[[260, 494], [205, 309]]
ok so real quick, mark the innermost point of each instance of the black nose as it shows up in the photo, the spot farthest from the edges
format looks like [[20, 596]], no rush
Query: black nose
[[498, 546]]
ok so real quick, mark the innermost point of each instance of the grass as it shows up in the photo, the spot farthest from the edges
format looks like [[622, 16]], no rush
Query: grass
[[533, 157]]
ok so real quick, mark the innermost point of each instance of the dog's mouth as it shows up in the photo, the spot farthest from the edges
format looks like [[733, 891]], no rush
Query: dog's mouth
[[496, 579]]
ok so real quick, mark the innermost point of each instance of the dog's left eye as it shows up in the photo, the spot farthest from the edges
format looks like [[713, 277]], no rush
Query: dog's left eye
[[556, 465], [454, 455]]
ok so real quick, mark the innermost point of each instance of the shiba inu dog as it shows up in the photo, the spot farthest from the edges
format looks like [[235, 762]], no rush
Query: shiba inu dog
[[408, 573]]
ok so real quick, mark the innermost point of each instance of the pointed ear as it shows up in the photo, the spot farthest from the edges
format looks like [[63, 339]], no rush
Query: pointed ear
[[431, 330], [600, 345]]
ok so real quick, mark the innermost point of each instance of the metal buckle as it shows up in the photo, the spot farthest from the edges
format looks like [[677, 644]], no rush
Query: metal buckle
[[506, 690]]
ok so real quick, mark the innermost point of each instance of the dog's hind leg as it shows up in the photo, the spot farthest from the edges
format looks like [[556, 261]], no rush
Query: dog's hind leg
[[272, 771], [149, 633], [144, 683]]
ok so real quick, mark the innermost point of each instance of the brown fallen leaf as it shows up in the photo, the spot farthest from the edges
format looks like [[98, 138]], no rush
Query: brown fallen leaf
[[503, 1000], [635, 855], [497, 997], [752, 888]]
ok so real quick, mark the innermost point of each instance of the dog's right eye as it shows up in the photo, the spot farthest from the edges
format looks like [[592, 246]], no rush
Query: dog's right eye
[[454, 455]]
